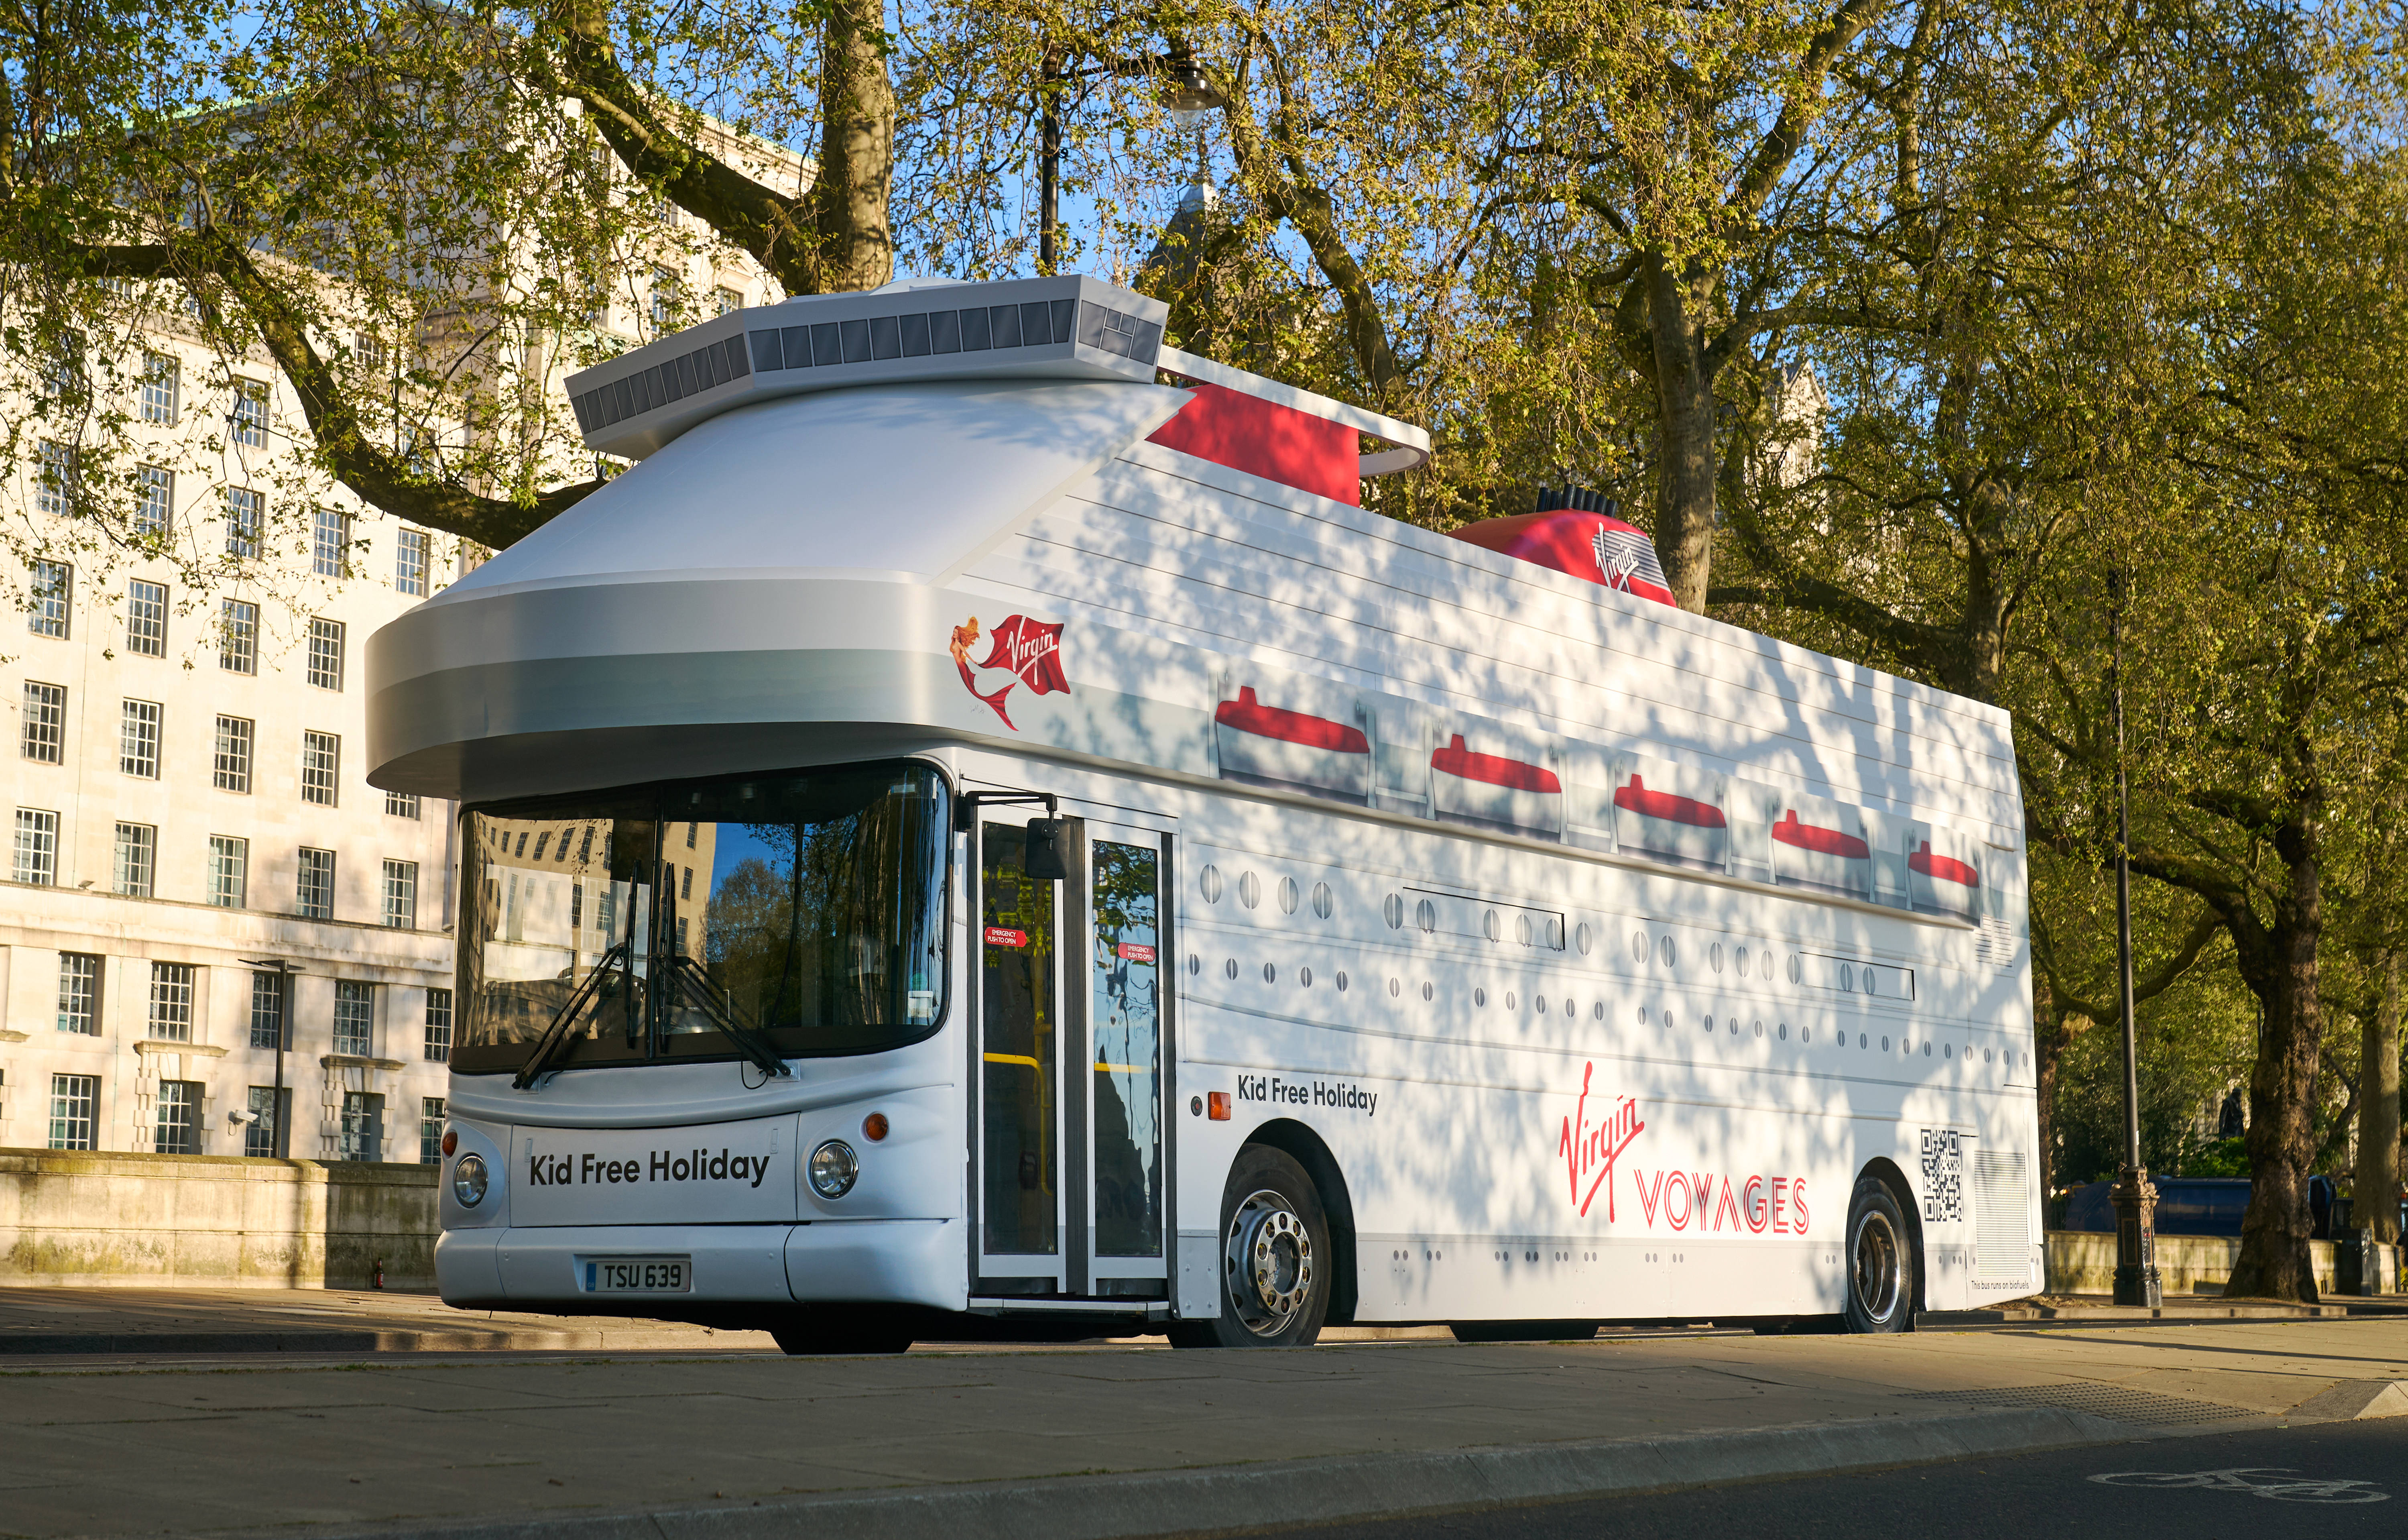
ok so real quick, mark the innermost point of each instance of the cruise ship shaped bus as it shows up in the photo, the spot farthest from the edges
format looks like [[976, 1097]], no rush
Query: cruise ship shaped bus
[[976, 832]]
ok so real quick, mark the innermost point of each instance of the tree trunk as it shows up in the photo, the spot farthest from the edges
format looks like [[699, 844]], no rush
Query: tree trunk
[[2376, 1185], [1684, 418], [856, 164], [2281, 969]]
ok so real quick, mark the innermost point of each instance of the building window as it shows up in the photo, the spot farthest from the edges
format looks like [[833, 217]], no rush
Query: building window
[[53, 588], [326, 653], [79, 993], [401, 804], [330, 543], [171, 1001], [249, 423], [146, 618], [682, 949], [321, 759], [363, 1127], [136, 861], [180, 1118], [355, 1017], [246, 518], [55, 490], [239, 636], [438, 1025], [230, 759], [138, 739], [229, 870], [430, 1130], [75, 1111], [37, 847], [259, 1134], [724, 300], [665, 298], [267, 1009], [154, 486], [315, 891], [401, 895], [411, 561], [160, 395], [44, 734]]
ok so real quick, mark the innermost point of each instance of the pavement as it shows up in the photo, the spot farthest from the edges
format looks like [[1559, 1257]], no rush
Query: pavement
[[708, 1436]]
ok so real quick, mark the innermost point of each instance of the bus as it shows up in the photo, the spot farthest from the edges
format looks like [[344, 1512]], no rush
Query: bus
[[976, 831]]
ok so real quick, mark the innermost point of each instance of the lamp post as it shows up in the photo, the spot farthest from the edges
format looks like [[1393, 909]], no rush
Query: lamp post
[[1191, 101], [2135, 1200], [281, 1140], [1048, 162]]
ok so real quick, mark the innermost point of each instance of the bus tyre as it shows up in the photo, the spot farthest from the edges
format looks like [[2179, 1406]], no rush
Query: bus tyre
[[1275, 1259], [1880, 1260]]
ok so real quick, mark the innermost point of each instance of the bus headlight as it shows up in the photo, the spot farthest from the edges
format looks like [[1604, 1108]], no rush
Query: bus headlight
[[468, 1180], [834, 1167]]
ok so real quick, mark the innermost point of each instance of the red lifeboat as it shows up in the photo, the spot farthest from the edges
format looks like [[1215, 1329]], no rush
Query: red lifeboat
[[1575, 531]]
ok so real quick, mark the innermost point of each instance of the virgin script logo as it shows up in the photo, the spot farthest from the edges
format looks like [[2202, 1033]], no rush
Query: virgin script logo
[[1590, 1149], [1020, 651]]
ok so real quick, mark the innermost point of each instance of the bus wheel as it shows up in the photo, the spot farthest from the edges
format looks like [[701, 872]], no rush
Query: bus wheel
[[833, 1331], [1881, 1261], [1275, 1261]]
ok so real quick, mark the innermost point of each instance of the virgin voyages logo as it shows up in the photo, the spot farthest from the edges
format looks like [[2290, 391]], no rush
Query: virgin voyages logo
[[1590, 1149], [1020, 651]]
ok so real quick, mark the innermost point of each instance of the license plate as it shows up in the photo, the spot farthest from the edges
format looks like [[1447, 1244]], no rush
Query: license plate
[[638, 1275]]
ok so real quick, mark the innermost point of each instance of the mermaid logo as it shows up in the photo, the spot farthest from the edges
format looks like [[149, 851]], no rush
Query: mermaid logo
[[1020, 651]]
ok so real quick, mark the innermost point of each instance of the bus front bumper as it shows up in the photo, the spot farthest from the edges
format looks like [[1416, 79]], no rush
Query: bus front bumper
[[900, 1261]]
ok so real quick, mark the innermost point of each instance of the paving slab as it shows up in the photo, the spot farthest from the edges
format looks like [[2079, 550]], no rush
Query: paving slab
[[1104, 1441]]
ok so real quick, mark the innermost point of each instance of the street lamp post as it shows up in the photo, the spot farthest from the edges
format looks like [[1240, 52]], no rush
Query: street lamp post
[[1191, 101], [2135, 1200]]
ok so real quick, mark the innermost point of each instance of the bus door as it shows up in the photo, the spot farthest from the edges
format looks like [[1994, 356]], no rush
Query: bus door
[[1073, 1068], [1127, 1090]]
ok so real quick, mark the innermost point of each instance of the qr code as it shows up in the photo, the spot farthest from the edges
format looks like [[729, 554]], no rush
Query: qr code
[[1943, 1176]]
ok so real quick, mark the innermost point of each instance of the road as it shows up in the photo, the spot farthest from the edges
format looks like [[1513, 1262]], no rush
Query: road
[[2315, 1483]]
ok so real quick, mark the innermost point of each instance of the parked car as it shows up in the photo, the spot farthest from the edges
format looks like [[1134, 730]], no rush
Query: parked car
[[2194, 1205]]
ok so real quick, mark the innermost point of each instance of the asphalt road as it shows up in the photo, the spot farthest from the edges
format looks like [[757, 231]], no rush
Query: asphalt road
[[2321, 1482]]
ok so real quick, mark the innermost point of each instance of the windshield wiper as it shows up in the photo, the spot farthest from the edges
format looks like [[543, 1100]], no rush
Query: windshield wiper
[[720, 1007], [556, 1034]]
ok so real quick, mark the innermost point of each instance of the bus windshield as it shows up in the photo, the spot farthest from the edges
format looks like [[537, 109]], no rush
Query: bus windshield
[[638, 925]]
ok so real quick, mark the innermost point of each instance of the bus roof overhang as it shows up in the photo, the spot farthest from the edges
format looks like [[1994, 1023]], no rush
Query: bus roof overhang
[[725, 545]]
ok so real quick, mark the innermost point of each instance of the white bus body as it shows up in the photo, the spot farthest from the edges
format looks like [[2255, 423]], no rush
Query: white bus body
[[1586, 955]]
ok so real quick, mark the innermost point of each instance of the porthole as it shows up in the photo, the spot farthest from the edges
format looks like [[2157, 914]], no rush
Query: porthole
[[1394, 908], [1715, 957], [1512, 1002], [1805, 1035], [1796, 968], [1598, 1011], [1639, 945], [1767, 965], [1231, 967], [1948, 1050], [1270, 974], [1571, 1011], [1926, 1048], [1868, 979], [1740, 961], [1210, 885], [1395, 989], [1710, 1027], [1643, 1015], [1287, 895], [1429, 991], [1194, 965], [1731, 1024], [1426, 914], [1847, 979], [1488, 925], [1304, 978], [1539, 1003], [1666, 950], [1985, 1056], [1669, 1022], [1323, 900], [1522, 929], [1340, 981], [1784, 1031], [1759, 1028], [1480, 997], [1863, 1041], [1581, 939], [1555, 937], [1250, 890]]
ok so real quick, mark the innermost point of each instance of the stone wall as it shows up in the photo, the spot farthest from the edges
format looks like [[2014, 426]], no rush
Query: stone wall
[[81, 1217], [2084, 1263]]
